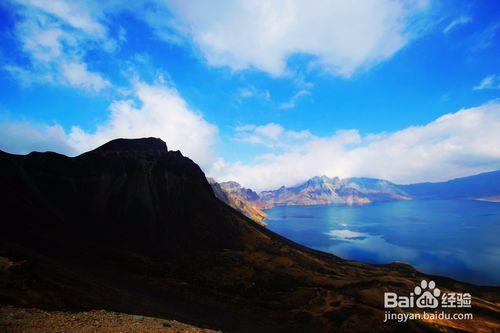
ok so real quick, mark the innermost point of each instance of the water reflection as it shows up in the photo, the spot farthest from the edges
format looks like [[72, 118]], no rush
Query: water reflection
[[452, 238], [367, 247]]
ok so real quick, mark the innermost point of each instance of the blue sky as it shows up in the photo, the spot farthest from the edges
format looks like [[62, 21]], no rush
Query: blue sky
[[265, 93]]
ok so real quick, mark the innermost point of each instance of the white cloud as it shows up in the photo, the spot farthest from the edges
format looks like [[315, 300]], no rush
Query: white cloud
[[56, 35], [160, 112], [251, 92], [271, 135], [462, 20], [77, 75], [489, 82], [25, 77], [454, 145], [23, 137], [304, 90], [271, 131], [295, 98], [246, 92], [343, 36], [80, 15]]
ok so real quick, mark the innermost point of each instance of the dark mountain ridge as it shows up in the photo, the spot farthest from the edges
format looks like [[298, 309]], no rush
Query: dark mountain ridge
[[135, 228], [133, 201]]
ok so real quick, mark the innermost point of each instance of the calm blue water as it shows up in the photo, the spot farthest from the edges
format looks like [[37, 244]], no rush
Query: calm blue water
[[454, 238]]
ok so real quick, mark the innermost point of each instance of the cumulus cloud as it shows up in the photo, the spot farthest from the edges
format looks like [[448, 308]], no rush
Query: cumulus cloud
[[454, 145], [342, 36], [76, 74], [56, 35], [161, 113], [75, 14], [271, 135], [271, 131], [489, 82], [23, 137], [155, 110]]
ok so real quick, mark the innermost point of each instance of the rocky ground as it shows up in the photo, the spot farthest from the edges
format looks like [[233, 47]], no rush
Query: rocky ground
[[26, 320]]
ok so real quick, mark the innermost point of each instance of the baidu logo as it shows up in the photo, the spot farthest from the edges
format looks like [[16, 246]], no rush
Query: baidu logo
[[427, 296]]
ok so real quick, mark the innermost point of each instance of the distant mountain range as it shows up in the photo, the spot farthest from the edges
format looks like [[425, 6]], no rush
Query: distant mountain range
[[135, 228], [324, 190], [484, 186]]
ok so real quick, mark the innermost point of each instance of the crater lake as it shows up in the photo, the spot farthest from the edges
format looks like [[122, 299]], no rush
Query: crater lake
[[453, 238]]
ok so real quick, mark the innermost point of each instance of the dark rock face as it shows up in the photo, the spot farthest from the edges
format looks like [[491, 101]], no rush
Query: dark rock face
[[134, 145], [130, 193], [132, 227]]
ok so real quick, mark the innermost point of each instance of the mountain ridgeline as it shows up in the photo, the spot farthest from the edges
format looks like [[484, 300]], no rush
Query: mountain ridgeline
[[242, 199], [359, 191], [135, 228], [484, 186], [324, 190]]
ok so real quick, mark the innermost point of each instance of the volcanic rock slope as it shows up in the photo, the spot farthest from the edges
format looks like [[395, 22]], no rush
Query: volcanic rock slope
[[134, 228], [244, 200]]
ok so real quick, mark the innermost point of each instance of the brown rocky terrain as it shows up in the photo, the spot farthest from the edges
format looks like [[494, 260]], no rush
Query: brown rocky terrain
[[243, 200], [134, 228], [14, 320]]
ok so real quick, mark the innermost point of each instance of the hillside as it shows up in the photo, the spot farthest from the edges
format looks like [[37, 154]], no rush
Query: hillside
[[243, 200], [134, 228]]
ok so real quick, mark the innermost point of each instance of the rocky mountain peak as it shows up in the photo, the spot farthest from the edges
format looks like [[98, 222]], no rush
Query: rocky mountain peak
[[231, 185], [133, 145]]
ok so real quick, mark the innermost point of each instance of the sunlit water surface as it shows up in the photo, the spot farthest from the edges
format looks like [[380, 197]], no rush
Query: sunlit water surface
[[454, 238]]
